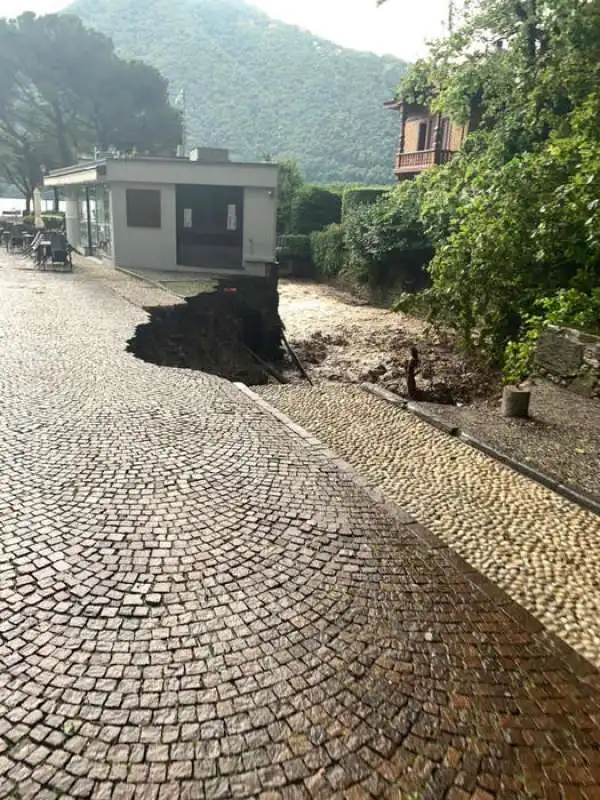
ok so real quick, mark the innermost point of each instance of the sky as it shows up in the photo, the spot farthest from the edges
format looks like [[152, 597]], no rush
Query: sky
[[400, 27]]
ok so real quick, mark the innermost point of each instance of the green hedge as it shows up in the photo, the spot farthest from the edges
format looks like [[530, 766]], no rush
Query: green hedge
[[386, 243], [360, 196], [328, 251], [54, 221], [294, 246], [314, 208]]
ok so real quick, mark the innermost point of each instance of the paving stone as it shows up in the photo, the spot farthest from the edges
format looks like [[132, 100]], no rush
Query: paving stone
[[196, 602], [538, 546]]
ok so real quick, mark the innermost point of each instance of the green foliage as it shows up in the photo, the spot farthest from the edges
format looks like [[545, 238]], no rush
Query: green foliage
[[518, 354], [574, 309], [515, 216], [360, 195], [289, 184], [501, 246], [62, 90], [328, 251], [313, 208], [295, 246], [568, 307], [417, 304], [385, 240], [256, 85], [6, 190], [52, 222]]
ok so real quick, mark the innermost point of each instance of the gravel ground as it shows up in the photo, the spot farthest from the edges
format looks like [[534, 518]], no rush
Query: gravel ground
[[543, 550], [562, 437]]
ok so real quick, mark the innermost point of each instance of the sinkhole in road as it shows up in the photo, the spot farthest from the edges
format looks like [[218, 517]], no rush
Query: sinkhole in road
[[234, 332]]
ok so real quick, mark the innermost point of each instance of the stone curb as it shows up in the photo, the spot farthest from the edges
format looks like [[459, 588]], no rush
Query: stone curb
[[150, 281], [433, 419], [131, 274], [519, 615], [576, 495]]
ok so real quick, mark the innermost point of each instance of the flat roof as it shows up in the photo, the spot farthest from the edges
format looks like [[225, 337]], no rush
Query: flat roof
[[149, 169], [102, 162]]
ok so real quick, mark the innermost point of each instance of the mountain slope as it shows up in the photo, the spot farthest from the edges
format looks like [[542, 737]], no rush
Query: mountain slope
[[259, 86]]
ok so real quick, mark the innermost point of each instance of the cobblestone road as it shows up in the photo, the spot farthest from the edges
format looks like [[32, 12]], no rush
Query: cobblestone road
[[196, 603], [542, 549]]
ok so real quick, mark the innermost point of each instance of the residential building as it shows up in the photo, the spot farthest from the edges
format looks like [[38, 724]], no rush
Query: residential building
[[426, 138]]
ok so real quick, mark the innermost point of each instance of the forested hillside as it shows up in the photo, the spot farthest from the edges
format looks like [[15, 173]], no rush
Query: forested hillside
[[259, 86]]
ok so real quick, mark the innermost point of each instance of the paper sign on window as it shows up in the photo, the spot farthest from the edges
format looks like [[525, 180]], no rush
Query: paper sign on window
[[187, 217], [232, 218]]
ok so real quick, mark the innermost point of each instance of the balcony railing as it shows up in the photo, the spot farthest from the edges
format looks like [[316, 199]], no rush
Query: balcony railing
[[421, 159]]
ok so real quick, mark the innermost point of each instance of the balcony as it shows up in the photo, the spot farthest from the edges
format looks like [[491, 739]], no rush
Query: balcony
[[413, 163]]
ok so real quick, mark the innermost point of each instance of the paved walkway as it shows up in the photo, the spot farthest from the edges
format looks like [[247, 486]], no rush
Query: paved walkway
[[195, 602], [541, 548]]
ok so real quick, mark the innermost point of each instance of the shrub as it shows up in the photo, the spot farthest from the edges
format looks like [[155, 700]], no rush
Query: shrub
[[294, 246], [568, 307], [313, 208], [328, 251], [360, 196], [386, 243], [53, 222]]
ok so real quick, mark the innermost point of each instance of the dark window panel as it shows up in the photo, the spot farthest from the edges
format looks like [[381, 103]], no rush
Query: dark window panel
[[143, 208]]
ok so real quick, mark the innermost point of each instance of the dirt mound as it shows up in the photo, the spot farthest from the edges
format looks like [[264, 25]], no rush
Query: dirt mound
[[360, 355], [317, 347]]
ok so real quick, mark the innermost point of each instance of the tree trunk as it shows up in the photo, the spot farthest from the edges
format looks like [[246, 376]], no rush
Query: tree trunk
[[56, 201], [28, 201], [62, 137], [412, 365]]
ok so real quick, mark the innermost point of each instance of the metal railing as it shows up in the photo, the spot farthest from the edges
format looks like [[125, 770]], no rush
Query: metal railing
[[421, 159]]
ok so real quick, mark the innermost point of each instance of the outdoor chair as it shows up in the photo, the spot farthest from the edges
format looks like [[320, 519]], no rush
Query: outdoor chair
[[57, 250], [16, 242]]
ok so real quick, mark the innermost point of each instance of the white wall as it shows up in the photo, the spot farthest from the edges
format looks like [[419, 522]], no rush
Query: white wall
[[169, 171], [146, 248], [156, 248], [72, 225], [260, 214]]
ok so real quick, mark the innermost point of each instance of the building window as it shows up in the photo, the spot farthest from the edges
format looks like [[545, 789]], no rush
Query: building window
[[143, 208], [422, 141]]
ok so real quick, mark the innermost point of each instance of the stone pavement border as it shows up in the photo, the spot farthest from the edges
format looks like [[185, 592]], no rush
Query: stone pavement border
[[575, 494], [519, 615]]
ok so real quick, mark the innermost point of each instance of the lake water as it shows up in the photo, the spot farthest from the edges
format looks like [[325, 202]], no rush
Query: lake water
[[18, 204]]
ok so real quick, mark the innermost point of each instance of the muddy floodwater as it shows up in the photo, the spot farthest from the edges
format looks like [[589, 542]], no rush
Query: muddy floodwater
[[343, 339]]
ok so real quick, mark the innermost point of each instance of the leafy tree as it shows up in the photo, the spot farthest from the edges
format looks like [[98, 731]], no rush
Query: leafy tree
[[63, 91], [290, 182], [514, 217]]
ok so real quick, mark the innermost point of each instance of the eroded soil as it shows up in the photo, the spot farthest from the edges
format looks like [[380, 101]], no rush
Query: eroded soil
[[340, 338]]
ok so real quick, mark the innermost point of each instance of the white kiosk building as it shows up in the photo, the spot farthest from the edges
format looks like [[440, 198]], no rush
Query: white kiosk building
[[203, 214]]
